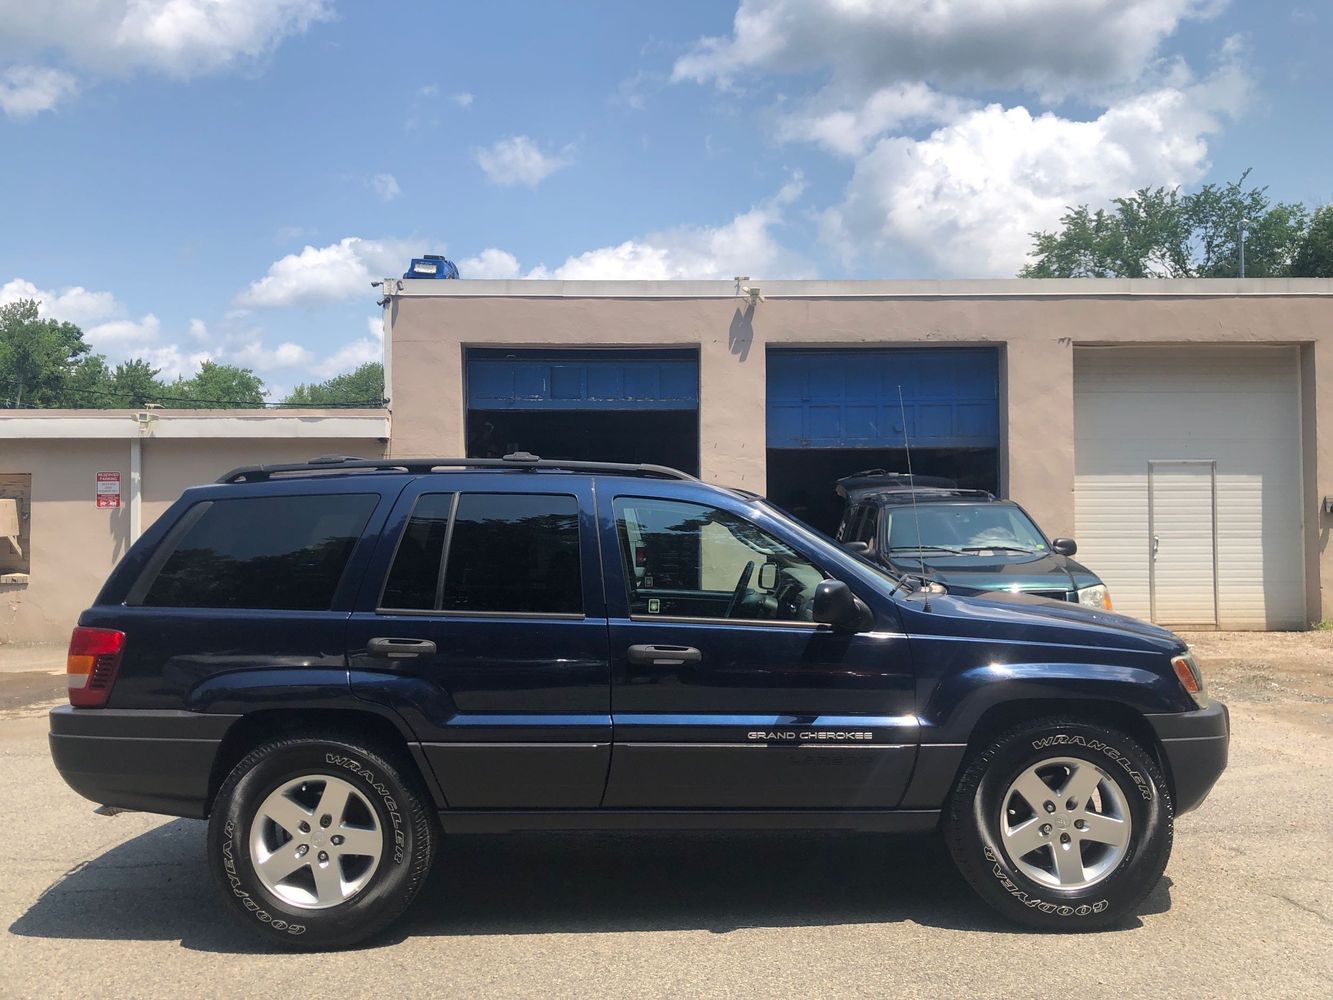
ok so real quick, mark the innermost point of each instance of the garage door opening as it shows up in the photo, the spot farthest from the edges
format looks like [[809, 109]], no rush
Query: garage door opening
[[835, 412], [598, 406], [803, 481]]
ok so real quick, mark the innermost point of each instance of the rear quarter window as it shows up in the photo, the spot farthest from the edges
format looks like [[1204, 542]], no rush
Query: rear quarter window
[[275, 552]]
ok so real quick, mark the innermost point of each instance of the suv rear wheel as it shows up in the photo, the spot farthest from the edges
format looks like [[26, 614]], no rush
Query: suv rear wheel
[[319, 842], [1062, 825]]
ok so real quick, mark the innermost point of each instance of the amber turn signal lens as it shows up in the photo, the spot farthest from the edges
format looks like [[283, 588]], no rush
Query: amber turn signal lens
[[1185, 673]]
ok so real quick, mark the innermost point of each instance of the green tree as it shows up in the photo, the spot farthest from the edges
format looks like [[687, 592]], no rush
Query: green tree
[[361, 387], [1161, 233], [134, 383], [1314, 259], [216, 386], [89, 384], [37, 356]]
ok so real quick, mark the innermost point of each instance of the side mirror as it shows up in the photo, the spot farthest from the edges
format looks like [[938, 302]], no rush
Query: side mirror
[[836, 605], [1064, 546], [768, 577], [857, 547]]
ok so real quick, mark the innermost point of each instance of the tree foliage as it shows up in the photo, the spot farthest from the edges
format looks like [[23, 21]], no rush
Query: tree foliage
[[217, 386], [361, 387], [38, 357], [1164, 233], [1315, 257], [46, 363]]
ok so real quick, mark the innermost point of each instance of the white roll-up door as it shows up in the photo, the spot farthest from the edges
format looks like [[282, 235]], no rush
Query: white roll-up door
[[1188, 482]]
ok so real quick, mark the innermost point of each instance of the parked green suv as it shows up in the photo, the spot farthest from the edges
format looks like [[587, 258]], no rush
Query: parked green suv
[[966, 540]]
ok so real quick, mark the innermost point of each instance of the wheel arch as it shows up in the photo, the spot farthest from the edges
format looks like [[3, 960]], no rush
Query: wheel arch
[[261, 725], [1004, 715]]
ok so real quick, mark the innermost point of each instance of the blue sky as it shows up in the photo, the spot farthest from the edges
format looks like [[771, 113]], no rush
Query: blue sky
[[201, 178]]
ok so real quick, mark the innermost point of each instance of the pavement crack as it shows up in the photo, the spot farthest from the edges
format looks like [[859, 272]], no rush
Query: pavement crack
[[1301, 906]]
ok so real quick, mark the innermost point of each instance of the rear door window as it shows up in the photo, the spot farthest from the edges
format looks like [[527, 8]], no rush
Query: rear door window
[[279, 552], [501, 553]]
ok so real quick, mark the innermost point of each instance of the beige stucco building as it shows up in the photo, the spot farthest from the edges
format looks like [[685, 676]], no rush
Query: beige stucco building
[[49, 465], [1181, 431]]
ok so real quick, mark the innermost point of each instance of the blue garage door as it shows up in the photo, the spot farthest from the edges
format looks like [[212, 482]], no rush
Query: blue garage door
[[582, 380], [849, 398]]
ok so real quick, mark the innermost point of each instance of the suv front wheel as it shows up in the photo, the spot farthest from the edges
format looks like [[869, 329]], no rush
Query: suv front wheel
[[1061, 825], [317, 842]]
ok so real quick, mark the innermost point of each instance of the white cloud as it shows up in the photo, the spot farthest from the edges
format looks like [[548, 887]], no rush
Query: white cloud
[[179, 38], [429, 90], [119, 336], [183, 38], [385, 187], [1047, 46], [846, 130], [338, 271], [966, 197], [350, 356], [463, 98], [745, 245], [75, 304], [172, 362], [249, 351], [198, 331], [29, 90], [490, 263], [519, 160]]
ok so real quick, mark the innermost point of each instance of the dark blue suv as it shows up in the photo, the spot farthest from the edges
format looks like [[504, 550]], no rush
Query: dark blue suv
[[340, 661]]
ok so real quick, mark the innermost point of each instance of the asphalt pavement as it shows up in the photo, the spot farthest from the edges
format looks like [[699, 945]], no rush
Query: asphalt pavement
[[124, 906]]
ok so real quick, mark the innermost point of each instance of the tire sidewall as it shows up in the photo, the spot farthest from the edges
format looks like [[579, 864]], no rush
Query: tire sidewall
[[976, 841], [269, 768]]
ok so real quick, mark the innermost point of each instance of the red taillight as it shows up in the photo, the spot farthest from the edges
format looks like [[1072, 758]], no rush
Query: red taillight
[[94, 657]]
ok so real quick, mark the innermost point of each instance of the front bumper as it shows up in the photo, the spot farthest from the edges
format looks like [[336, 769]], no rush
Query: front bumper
[[152, 761], [1195, 745]]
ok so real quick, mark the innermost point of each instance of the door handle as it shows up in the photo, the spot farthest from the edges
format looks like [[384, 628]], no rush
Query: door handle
[[400, 649], [663, 656], [1155, 542]]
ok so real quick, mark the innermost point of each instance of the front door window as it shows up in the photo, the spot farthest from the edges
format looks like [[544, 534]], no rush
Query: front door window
[[687, 560]]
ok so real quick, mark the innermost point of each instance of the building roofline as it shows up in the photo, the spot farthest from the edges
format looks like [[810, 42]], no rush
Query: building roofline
[[869, 289], [163, 423]]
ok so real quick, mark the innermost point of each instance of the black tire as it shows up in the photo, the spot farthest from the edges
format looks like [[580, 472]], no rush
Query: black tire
[[405, 822], [972, 825]]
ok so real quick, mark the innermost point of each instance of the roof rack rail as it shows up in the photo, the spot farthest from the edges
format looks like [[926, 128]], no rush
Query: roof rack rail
[[519, 460]]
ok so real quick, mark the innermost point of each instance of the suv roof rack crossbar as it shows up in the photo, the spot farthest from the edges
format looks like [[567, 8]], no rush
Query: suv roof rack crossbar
[[418, 466]]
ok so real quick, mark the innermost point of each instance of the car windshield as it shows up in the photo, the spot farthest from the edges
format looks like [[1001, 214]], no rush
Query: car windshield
[[962, 529]]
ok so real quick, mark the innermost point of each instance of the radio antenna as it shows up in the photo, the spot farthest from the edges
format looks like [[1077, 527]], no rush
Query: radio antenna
[[916, 518]]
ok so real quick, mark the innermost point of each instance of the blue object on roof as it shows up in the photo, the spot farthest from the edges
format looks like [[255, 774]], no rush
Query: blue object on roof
[[431, 265]]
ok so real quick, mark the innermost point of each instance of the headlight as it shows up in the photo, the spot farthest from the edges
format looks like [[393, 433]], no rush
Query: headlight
[[1095, 597]]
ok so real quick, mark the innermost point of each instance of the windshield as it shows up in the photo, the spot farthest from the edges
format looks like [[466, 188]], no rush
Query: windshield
[[962, 529]]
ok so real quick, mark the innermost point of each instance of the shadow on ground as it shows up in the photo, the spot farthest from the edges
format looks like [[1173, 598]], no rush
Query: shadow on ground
[[157, 887]]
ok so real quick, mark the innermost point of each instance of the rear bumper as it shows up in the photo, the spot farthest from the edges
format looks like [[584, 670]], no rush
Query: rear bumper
[[1195, 745], [152, 761]]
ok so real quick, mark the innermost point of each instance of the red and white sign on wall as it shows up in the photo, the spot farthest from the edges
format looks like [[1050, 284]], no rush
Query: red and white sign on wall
[[108, 489]]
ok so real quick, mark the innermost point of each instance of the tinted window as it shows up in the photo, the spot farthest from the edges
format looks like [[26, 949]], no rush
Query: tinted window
[[285, 553], [686, 560], [514, 552], [415, 573]]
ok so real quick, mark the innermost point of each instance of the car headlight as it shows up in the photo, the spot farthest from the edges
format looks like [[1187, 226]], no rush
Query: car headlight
[[1095, 597]]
